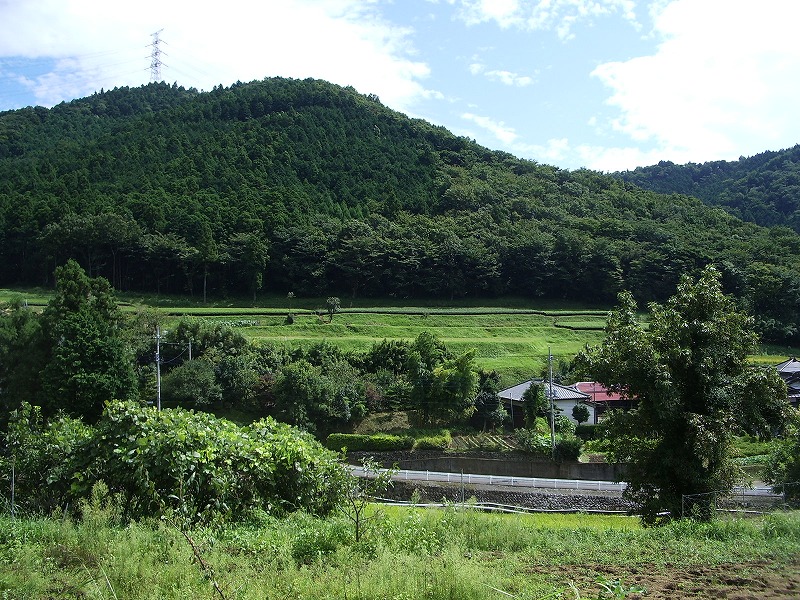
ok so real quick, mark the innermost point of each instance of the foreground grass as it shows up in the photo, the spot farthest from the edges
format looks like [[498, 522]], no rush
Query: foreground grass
[[407, 554]]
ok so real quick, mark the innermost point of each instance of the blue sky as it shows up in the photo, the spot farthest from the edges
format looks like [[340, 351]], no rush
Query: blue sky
[[603, 84]]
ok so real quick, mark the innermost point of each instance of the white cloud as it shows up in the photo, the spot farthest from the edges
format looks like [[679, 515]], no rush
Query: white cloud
[[554, 151], [509, 78], [342, 41], [616, 159], [722, 83], [505, 77], [500, 130], [555, 15], [504, 12]]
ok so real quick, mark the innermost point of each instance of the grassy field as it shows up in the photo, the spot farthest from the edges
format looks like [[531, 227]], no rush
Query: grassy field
[[406, 554], [510, 335], [515, 344]]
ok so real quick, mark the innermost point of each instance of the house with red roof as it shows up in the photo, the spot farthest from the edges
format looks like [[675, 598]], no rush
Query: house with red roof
[[603, 400]]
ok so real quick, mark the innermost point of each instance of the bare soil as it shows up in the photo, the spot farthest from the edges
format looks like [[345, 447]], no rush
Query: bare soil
[[739, 581]]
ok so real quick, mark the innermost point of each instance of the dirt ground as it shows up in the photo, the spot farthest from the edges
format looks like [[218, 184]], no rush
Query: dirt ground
[[740, 581]]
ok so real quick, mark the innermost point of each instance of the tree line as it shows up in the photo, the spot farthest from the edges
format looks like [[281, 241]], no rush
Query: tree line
[[82, 352], [763, 189]]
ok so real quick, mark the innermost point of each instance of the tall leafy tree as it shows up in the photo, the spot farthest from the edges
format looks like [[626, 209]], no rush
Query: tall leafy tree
[[249, 253], [192, 384], [455, 388], [22, 356], [489, 409], [425, 354], [443, 387], [689, 371], [332, 305], [208, 253], [88, 361], [783, 464]]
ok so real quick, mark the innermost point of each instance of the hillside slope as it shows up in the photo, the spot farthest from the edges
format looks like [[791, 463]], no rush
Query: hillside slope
[[309, 187], [764, 189]]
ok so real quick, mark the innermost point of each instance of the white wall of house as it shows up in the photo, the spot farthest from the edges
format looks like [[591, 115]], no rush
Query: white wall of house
[[566, 410]]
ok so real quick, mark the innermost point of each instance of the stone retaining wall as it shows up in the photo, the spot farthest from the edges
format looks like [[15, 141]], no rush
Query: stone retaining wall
[[540, 499]]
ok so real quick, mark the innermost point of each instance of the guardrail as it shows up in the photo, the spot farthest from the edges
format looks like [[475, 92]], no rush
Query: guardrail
[[495, 480], [525, 482]]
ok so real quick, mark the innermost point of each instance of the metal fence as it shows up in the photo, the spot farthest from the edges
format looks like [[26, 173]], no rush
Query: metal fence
[[743, 499]]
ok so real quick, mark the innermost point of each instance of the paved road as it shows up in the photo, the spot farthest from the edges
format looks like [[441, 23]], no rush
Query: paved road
[[530, 483]]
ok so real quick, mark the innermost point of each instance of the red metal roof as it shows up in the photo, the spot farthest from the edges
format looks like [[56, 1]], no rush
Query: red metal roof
[[597, 391]]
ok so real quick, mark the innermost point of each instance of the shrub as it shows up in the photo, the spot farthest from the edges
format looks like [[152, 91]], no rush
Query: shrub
[[564, 425], [589, 432], [46, 457], [191, 464], [534, 442], [782, 469], [434, 442], [580, 412], [194, 383], [568, 448], [379, 442]]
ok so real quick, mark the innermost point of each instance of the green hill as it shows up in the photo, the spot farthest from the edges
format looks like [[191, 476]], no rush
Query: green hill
[[308, 187], [764, 189]]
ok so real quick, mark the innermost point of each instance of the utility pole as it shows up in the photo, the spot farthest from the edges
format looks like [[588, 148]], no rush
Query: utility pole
[[552, 408], [158, 367], [155, 58]]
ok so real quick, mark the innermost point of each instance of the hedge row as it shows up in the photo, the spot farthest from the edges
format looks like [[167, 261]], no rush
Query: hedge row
[[171, 461], [434, 442]]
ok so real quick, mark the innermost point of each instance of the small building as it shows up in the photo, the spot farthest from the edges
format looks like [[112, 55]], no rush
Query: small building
[[789, 370], [564, 399], [604, 399]]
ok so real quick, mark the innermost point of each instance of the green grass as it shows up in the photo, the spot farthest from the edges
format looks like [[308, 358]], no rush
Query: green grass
[[511, 340], [510, 335], [746, 446], [406, 554], [34, 297], [515, 344]]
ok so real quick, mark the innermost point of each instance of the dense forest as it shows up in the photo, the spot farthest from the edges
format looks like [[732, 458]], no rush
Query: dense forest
[[764, 189], [311, 188]]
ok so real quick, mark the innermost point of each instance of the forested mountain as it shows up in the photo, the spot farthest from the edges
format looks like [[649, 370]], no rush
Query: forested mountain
[[764, 189], [308, 187]]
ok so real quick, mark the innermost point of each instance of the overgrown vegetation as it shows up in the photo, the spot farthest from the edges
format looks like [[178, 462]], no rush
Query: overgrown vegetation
[[782, 466], [405, 554], [168, 462]]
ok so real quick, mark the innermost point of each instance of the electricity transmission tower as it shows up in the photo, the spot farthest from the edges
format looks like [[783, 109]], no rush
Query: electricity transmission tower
[[155, 58]]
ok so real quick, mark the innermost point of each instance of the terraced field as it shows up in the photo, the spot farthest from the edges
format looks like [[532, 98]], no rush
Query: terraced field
[[484, 441], [513, 339], [514, 343]]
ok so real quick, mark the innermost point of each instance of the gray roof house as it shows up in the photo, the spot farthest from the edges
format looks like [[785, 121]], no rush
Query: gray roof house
[[564, 398], [789, 370]]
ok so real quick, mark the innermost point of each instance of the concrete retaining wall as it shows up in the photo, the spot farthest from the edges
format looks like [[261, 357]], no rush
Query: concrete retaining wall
[[505, 464]]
